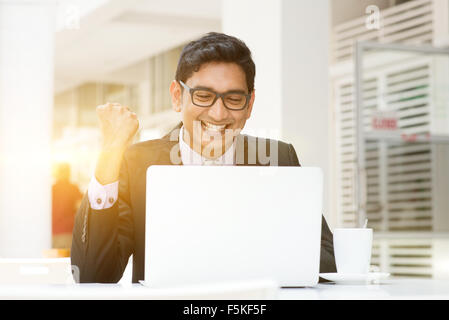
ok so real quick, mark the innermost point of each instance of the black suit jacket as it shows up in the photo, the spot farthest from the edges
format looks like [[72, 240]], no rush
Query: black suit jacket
[[103, 240]]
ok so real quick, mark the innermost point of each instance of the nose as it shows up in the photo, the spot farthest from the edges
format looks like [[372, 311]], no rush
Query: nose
[[218, 111]]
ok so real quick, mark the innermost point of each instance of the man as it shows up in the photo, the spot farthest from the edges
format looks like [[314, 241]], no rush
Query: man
[[214, 91]]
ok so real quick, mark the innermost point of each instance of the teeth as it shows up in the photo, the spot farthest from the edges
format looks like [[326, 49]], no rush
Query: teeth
[[213, 127]]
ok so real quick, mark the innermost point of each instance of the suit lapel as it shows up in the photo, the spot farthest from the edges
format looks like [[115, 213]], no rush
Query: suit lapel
[[241, 150], [170, 153], [246, 151]]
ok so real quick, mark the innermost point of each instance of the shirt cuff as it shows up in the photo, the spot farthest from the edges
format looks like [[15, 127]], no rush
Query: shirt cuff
[[102, 196]]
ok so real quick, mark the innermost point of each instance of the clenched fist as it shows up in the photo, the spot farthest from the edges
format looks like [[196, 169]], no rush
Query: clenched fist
[[118, 125]]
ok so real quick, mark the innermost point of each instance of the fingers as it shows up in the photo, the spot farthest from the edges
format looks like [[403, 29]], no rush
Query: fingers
[[139, 128], [115, 113], [113, 106]]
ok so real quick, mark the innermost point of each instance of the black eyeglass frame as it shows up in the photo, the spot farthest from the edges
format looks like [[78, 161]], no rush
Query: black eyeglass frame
[[217, 95]]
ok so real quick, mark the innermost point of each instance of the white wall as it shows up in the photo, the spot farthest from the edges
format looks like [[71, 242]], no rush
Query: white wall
[[305, 88], [289, 40], [26, 107], [259, 24]]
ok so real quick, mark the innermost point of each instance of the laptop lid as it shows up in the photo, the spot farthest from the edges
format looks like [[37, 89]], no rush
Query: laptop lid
[[207, 224]]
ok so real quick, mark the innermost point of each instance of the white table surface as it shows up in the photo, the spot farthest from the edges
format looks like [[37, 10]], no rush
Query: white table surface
[[397, 289], [389, 289]]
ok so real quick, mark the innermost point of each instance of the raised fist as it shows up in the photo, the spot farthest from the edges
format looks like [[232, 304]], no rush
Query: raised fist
[[118, 125]]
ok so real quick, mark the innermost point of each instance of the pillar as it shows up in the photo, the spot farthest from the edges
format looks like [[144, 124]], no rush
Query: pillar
[[27, 30], [289, 40]]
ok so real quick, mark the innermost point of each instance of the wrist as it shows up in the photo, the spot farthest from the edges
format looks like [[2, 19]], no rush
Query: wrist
[[108, 165], [113, 148]]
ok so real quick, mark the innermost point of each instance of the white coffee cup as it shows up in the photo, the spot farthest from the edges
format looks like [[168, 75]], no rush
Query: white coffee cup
[[352, 249]]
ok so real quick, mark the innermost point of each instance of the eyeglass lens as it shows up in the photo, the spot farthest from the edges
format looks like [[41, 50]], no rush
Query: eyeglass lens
[[206, 98]]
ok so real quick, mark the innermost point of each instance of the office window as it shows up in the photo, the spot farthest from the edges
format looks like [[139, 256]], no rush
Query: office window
[[404, 182], [162, 72]]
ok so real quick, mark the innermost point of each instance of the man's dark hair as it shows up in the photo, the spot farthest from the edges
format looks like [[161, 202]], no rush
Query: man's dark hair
[[216, 47]]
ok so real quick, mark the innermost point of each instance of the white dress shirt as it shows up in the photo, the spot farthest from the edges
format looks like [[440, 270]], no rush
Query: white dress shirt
[[104, 196], [190, 157]]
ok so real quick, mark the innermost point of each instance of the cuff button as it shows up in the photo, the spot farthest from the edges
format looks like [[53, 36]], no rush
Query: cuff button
[[99, 201], [111, 200]]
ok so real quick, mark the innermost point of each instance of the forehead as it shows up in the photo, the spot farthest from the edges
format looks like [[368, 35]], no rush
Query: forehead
[[219, 76]]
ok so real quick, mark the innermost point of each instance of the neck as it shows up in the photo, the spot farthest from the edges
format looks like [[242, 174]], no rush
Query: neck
[[210, 151]]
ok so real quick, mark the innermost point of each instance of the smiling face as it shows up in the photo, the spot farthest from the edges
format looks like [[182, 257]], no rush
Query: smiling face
[[209, 130]]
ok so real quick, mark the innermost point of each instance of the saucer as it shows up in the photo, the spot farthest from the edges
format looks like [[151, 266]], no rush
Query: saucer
[[355, 278]]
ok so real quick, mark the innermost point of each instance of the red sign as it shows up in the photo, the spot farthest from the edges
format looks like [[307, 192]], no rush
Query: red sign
[[384, 122]]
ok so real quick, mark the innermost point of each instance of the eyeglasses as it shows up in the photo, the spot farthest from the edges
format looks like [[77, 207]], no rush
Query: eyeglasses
[[206, 98]]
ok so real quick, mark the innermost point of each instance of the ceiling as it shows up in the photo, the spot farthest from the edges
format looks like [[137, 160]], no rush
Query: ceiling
[[120, 33]]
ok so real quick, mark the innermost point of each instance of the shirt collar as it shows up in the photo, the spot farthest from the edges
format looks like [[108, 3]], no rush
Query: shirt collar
[[191, 157]]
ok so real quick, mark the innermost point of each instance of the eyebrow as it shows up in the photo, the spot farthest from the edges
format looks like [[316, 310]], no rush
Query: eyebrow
[[229, 91]]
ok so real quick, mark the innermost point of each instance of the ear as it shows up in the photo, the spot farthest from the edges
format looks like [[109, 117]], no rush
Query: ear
[[250, 104], [176, 95]]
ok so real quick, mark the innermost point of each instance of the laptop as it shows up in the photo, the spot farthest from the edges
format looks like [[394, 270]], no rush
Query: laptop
[[223, 224]]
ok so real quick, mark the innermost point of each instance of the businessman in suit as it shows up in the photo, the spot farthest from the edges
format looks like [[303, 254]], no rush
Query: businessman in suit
[[214, 91]]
